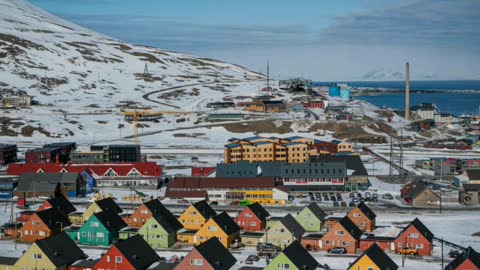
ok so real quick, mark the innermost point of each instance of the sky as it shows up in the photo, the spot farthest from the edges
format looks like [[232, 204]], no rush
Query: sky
[[323, 40]]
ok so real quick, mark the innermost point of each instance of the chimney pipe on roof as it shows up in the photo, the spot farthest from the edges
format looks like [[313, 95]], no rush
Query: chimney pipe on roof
[[407, 91]]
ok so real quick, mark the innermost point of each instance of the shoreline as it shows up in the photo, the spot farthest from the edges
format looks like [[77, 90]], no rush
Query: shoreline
[[377, 92]]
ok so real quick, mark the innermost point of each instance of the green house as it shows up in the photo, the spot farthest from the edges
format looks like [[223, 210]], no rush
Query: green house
[[101, 229], [311, 218], [160, 231], [293, 257]]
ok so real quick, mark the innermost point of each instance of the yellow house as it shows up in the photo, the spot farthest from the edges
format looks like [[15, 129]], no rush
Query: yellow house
[[55, 252], [343, 146], [196, 215], [373, 259], [221, 226], [107, 204], [297, 152]]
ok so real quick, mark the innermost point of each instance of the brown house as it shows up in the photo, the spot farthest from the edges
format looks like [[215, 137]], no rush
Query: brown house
[[208, 255], [43, 224], [363, 217], [419, 195], [146, 211], [343, 234]]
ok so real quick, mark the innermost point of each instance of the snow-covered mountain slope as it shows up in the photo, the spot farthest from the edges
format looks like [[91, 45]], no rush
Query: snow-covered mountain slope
[[71, 70]]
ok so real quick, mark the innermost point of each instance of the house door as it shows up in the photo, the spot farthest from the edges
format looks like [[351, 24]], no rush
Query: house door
[[392, 246], [320, 244], [194, 239]]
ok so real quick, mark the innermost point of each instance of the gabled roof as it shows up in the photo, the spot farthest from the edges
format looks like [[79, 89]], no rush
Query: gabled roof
[[197, 183], [379, 258], [415, 190], [292, 226], [422, 229], [60, 249], [8, 260], [111, 221], [216, 254], [226, 223], [350, 227], [168, 219], [137, 252], [63, 204], [108, 204], [204, 209], [366, 211], [300, 257], [469, 254], [317, 211], [53, 218], [168, 224], [259, 211]]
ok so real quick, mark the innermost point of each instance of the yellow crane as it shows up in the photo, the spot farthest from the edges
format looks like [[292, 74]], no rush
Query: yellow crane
[[147, 115]]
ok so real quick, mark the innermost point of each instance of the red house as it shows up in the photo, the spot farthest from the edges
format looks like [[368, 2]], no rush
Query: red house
[[252, 218], [315, 104], [133, 253], [416, 236], [43, 224], [468, 260], [208, 255]]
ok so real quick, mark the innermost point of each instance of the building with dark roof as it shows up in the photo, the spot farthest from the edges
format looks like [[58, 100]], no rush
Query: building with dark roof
[[343, 233], [210, 254], [196, 215], [363, 217], [294, 257], [252, 218], [221, 226], [373, 258], [418, 194], [44, 224], [416, 236], [101, 229], [84, 264], [283, 232], [8, 153], [61, 203], [311, 217], [55, 252], [133, 253], [469, 259]]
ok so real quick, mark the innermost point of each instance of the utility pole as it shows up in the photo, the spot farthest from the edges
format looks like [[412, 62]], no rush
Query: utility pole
[[390, 173], [442, 255], [407, 91]]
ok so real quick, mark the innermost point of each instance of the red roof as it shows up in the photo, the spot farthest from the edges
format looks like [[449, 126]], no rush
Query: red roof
[[96, 170], [203, 171], [185, 183]]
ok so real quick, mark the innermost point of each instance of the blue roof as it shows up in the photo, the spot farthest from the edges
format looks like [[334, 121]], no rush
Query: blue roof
[[336, 141], [233, 145], [253, 138], [233, 139], [293, 138], [261, 143]]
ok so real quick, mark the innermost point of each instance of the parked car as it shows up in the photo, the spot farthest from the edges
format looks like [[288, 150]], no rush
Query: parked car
[[310, 194], [343, 204], [351, 204], [368, 195], [214, 203], [387, 196], [325, 198], [333, 198], [317, 194], [319, 198], [337, 250], [312, 199], [351, 195], [183, 201], [407, 251], [267, 247], [336, 204], [355, 200], [454, 253], [252, 258], [174, 259]]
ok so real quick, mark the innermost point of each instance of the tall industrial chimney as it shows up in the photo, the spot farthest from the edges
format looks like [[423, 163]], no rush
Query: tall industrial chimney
[[407, 91]]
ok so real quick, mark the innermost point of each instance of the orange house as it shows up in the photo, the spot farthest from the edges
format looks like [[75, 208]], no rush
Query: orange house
[[220, 226], [145, 212], [196, 215], [43, 224], [343, 234], [363, 217]]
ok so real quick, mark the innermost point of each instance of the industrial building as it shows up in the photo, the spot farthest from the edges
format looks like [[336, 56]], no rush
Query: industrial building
[[119, 153], [17, 101], [8, 153]]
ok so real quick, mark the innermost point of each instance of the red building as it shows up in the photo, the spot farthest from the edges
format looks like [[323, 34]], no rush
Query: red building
[[104, 174], [416, 236], [253, 218], [209, 255], [311, 242], [343, 234], [44, 224], [385, 243], [468, 260], [24, 216], [203, 171], [43, 155], [133, 253]]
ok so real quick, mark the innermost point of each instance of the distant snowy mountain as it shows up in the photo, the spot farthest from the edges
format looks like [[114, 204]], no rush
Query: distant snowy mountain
[[383, 75], [71, 69]]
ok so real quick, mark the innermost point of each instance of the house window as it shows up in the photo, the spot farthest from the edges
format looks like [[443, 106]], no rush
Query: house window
[[108, 258], [369, 268], [212, 228], [118, 259], [327, 242], [84, 234], [41, 233], [248, 215], [253, 224], [37, 256], [159, 236], [144, 212], [100, 235], [357, 215], [346, 244], [339, 232], [362, 224], [94, 224], [196, 262], [419, 246], [25, 232], [279, 230], [283, 266], [153, 226], [413, 235]]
